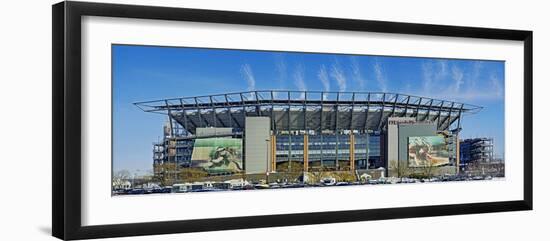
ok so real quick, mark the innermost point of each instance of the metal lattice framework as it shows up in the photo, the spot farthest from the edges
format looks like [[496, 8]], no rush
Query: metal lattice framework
[[308, 110]]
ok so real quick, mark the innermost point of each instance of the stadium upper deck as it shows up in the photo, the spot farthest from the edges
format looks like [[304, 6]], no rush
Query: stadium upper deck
[[312, 111]]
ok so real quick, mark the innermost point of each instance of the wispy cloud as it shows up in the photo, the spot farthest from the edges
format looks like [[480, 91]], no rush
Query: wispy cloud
[[433, 73], [337, 73], [475, 73], [357, 75], [282, 73], [299, 80], [323, 76], [248, 75], [464, 82], [497, 86], [280, 66], [380, 76], [458, 76]]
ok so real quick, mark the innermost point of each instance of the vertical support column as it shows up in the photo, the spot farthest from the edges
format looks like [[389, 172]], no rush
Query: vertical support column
[[322, 144], [273, 125], [336, 128], [273, 153], [289, 135], [170, 118], [352, 152], [306, 153], [457, 154], [321, 123], [336, 151], [367, 151], [289, 167], [170, 143], [417, 109]]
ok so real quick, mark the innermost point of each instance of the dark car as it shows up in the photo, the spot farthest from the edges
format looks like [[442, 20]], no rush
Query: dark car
[[162, 190], [137, 191]]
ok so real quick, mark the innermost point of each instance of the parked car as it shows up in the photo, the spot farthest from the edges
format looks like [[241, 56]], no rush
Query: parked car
[[138, 191], [342, 183], [162, 190], [328, 181]]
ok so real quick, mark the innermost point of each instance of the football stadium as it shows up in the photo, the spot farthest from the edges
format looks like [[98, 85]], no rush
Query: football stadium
[[296, 134]]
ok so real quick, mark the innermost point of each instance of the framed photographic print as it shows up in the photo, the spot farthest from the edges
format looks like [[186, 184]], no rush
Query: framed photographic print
[[171, 120]]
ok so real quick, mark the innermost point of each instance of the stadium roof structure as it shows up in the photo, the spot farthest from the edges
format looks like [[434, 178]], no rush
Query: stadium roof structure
[[308, 110]]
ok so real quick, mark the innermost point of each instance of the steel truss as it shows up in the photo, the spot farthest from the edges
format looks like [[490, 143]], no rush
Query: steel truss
[[316, 111]]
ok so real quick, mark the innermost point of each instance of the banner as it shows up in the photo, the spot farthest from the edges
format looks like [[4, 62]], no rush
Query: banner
[[428, 151], [218, 155]]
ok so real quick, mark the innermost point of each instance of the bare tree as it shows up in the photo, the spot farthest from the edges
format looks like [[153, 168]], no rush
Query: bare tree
[[402, 170], [428, 169], [192, 174], [120, 178], [122, 175]]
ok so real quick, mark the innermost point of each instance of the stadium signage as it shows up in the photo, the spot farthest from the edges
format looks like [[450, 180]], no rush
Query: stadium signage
[[401, 120]]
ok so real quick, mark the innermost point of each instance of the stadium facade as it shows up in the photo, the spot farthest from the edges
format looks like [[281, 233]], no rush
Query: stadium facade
[[477, 158], [476, 150], [308, 131]]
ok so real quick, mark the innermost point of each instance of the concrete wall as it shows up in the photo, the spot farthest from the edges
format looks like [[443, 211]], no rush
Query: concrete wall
[[418, 129], [408, 130], [392, 150], [397, 150], [210, 131], [257, 149]]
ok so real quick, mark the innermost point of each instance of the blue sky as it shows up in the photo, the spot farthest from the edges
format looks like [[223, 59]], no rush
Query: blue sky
[[147, 73]]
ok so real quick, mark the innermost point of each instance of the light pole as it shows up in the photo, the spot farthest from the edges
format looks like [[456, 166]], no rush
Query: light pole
[[267, 142]]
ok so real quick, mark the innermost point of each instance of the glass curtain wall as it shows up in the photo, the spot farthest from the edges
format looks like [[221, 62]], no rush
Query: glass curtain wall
[[325, 152]]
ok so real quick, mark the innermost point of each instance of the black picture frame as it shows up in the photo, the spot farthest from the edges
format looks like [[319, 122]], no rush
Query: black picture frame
[[67, 136]]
